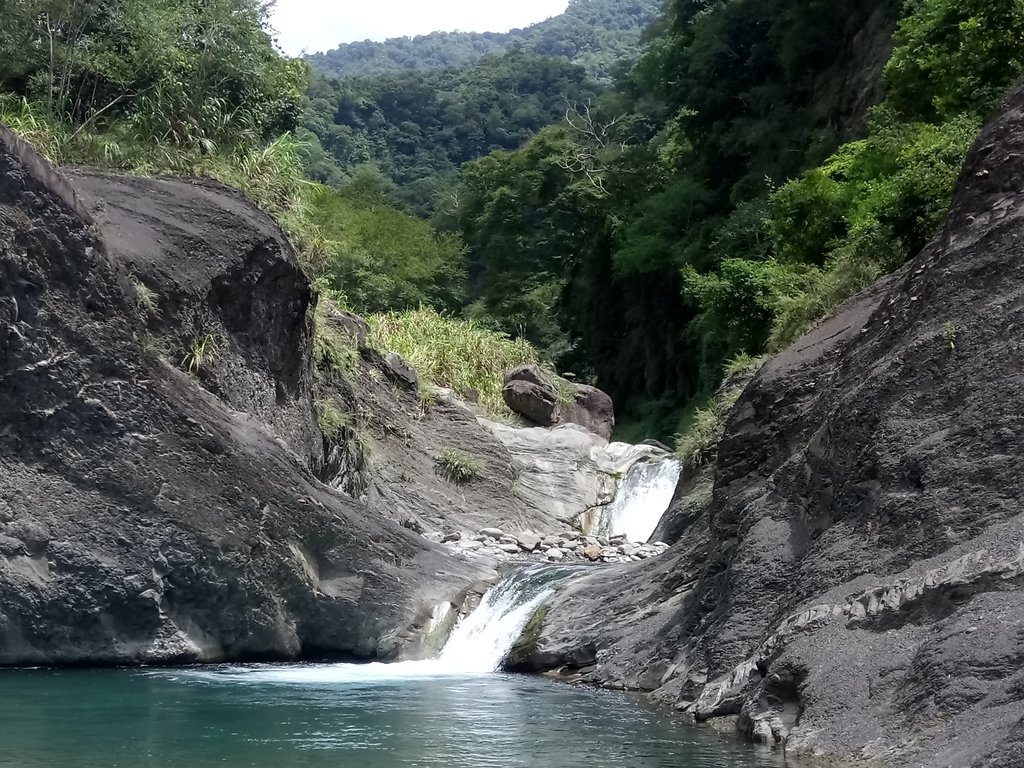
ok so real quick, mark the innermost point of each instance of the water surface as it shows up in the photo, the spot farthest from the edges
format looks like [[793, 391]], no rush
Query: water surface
[[339, 716]]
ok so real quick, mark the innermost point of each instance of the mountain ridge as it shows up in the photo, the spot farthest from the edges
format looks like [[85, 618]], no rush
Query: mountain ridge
[[594, 33]]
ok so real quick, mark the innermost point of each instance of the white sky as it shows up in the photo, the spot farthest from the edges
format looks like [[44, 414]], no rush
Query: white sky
[[319, 25]]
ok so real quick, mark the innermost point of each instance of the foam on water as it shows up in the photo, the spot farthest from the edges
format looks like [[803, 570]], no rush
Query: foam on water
[[477, 646]]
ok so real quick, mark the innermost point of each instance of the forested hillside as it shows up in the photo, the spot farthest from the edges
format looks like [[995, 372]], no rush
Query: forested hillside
[[416, 129], [760, 162], [593, 33]]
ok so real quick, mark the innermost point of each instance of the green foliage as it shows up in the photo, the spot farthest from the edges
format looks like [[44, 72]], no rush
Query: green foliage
[[955, 56], [147, 299], [201, 354], [457, 467], [417, 128], [595, 33], [334, 353], [452, 353], [332, 420], [385, 259], [697, 443]]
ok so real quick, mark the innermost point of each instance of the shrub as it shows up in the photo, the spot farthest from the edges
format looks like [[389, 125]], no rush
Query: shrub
[[202, 353], [332, 420], [453, 353], [456, 467]]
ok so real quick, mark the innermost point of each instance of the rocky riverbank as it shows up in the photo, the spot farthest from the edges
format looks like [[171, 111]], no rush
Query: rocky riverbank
[[494, 544], [852, 589]]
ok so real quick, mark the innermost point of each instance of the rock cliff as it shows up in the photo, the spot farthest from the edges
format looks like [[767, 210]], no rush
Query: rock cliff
[[854, 587], [158, 443]]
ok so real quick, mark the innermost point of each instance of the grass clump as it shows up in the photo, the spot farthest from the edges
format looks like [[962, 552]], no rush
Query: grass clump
[[696, 444], [201, 354], [333, 421], [449, 352], [457, 467], [146, 298], [334, 352]]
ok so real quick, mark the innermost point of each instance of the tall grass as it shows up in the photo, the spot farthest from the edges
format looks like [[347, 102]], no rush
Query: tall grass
[[453, 353]]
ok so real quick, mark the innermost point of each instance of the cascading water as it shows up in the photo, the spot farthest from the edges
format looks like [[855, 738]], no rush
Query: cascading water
[[477, 645], [481, 641], [642, 498]]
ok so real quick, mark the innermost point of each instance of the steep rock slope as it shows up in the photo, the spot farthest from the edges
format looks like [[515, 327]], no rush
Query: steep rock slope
[[151, 516], [855, 587]]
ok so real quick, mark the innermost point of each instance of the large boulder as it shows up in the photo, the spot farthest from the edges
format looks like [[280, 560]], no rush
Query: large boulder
[[854, 588], [547, 400], [157, 496]]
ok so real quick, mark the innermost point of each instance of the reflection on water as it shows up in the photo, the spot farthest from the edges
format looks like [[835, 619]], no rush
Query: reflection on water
[[342, 716]]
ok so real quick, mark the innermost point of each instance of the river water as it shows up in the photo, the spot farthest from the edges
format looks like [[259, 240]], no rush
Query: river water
[[455, 710], [338, 716]]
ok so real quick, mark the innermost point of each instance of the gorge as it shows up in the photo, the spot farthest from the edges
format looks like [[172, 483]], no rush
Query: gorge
[[240, 523]]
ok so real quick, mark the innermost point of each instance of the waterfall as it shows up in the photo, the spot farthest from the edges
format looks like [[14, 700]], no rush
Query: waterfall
[[477, 646], [481, 641], [642, 498]]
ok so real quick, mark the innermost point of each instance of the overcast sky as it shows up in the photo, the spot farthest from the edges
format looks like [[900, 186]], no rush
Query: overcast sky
[[317, 25]]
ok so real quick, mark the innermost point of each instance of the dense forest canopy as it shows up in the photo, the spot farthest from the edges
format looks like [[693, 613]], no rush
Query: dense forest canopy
[[417, 129], [593, 33], [757, 163]]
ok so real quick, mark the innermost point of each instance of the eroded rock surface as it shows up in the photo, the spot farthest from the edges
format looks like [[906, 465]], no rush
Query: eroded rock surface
[[150, 515], [854, 588]]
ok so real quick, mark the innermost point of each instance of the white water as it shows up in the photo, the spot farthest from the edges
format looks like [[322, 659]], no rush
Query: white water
[[477, 646], [642, 499]]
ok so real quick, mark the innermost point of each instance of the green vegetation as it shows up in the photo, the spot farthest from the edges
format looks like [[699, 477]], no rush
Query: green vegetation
[[201, 354], [727, 191], [455, 354], [333, 421], [147, 299], [414, 129], [594, 33], [456, 467], [641, 224]]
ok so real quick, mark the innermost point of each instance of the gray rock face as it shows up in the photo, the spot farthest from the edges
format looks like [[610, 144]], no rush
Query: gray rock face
[[548, 400], [150, 515], [853, 588]]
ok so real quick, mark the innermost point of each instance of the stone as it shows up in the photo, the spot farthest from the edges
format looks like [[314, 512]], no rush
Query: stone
[[546, 399], [593, 552], [400, 371], [628, 549], [528, 541], [468, 544], [352, 325], [450, 537], [511, 549], [554, 554], [492, 533]]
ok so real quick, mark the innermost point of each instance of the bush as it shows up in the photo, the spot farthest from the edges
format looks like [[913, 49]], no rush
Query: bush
[[453, 353], [456, 467]]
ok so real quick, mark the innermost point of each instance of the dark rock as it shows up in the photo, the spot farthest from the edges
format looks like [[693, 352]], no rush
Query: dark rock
[[853, 586], [350, 324], [161, 517], [535, 402], [401, 371], [548, 400]]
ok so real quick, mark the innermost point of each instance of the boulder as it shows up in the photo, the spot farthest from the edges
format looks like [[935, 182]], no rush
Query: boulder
[[492, 533], [547, 400], [554, 554], [528, 541], [593, 552]]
